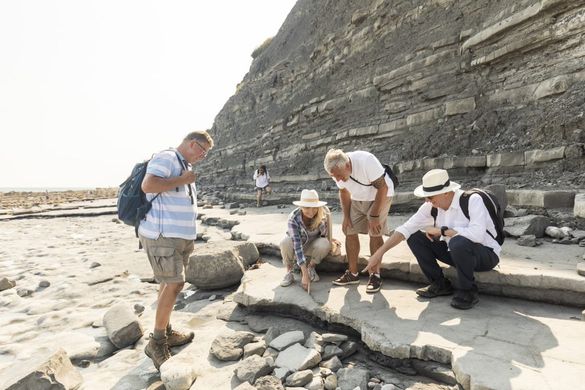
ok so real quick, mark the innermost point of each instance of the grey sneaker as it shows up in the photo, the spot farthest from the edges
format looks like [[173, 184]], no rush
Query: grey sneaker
[[288, 279], [313, 275]]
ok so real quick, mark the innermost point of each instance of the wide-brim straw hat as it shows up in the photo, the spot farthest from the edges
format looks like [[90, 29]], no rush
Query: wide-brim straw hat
[[435, 182], [309, 198]]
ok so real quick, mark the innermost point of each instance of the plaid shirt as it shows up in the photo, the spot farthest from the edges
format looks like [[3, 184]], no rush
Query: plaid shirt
[[297, 231]]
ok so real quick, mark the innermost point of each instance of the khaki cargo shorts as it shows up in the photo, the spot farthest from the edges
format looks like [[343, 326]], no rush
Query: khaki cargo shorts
[[359, 215], [168, 257]]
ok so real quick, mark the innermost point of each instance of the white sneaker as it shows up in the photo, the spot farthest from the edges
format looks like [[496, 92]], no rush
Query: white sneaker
[[313, 275], [287, 280]]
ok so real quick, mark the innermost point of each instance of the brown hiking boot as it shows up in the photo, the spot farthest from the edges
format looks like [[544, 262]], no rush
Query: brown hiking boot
[[157, 351], [176, 338]]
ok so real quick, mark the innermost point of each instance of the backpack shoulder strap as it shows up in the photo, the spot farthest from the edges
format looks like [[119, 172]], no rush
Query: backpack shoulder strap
[[434, 213], [365, 185]]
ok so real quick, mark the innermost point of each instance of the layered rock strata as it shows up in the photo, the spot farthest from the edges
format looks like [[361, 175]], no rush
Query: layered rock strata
[[490, 90]]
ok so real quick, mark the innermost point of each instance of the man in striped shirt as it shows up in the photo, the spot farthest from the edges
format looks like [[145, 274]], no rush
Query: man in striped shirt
[[168, 231]]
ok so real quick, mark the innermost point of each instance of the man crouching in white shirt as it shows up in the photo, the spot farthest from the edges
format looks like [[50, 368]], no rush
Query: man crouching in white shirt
[[466, 244]]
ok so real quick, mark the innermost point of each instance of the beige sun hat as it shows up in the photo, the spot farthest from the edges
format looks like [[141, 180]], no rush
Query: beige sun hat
[[309, 198], [435, 182]]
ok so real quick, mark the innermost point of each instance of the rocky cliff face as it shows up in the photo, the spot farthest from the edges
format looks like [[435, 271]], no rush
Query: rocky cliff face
[[492, 90]]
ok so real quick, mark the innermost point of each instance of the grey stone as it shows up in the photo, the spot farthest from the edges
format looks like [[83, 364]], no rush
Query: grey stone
[[138, 309], [287, 339], [230, 346], [530, 224], [299, 378], [330, 351], [24, 292], [281, 372], [555, 232], [581, 268], [316, 383], [333, 338], [268, 382], [45, 371], [6, 284], [579, 207], [528, 240], [349, 347], [578, 234], [95, 264], [505, 159], [178, 373], [272, 333], [350, 378], [44, 284], [297, 357], [389, 386], [331, 382], [436, 371], [122, 325], [270, 352], [333, 364], [245, 386], [256, 348], [460, 106], [253, 368], [315, 341]]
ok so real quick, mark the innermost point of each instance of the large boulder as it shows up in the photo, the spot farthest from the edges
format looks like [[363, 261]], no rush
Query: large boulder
[[122, 325], [530, 224], [220, 264], [230, 346], [47, 370]]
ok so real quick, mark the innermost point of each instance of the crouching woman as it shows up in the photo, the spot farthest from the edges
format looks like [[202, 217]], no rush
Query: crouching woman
[[308, 238]]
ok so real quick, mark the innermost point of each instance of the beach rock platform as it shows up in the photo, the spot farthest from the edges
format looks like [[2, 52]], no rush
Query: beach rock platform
[[500, 344]]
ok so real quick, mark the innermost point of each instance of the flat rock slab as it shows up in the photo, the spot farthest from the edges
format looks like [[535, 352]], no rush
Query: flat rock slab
[[524, 344], [543, 273], [49, 370]]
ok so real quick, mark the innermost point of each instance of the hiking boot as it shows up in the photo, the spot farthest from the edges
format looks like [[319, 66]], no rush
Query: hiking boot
[[288, 279], [435, 289], [465, 299], [176, 338], [347, 278], [157, 351], [313, 275], [374, 284]]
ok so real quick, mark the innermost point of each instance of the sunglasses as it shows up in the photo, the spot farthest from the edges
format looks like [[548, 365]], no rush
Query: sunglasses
[[205, 151]]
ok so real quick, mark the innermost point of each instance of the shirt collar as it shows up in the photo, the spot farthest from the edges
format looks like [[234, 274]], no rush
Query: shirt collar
[[455, 205]]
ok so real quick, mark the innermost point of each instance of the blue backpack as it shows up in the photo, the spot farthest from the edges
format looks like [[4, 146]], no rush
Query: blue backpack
[[132, 203]]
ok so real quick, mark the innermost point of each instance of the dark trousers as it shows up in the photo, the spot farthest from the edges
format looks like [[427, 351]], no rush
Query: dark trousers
[[463, 254]]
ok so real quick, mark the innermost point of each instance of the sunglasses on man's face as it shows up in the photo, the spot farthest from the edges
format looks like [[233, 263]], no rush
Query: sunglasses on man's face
[[205, 151]]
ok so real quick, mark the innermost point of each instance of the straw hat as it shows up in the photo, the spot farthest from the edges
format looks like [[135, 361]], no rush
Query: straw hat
[[435, 182], [309, 198]]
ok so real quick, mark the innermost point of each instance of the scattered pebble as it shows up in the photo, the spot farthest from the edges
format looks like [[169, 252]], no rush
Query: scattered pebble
[[95, 264]]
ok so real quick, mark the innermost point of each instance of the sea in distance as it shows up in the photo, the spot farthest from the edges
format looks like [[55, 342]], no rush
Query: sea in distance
[[43, 189]]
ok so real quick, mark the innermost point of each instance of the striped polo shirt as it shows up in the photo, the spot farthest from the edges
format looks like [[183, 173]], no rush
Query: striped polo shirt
[[173, 214]]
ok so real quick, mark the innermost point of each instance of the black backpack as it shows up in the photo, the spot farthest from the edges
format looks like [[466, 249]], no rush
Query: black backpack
[[491, 204], [388, 172], [132, 203]]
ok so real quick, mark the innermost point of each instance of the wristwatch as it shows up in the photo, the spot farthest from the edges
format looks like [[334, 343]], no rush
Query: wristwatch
[[443, 230]]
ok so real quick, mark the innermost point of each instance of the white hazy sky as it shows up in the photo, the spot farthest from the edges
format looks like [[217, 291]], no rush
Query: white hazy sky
[[89, 87]]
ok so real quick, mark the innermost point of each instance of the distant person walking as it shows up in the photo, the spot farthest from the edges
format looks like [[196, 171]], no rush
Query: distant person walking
[[262, 181], [365, 193], [168, 231]]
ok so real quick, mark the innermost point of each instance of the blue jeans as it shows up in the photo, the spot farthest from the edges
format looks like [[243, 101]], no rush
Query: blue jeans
[[465, 255]]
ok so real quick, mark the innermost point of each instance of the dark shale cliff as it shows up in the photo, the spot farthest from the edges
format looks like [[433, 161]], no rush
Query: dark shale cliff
[[494, 91]]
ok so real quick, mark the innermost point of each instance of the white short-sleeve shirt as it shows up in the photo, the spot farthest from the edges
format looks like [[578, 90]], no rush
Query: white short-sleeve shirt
[[365, 168]]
